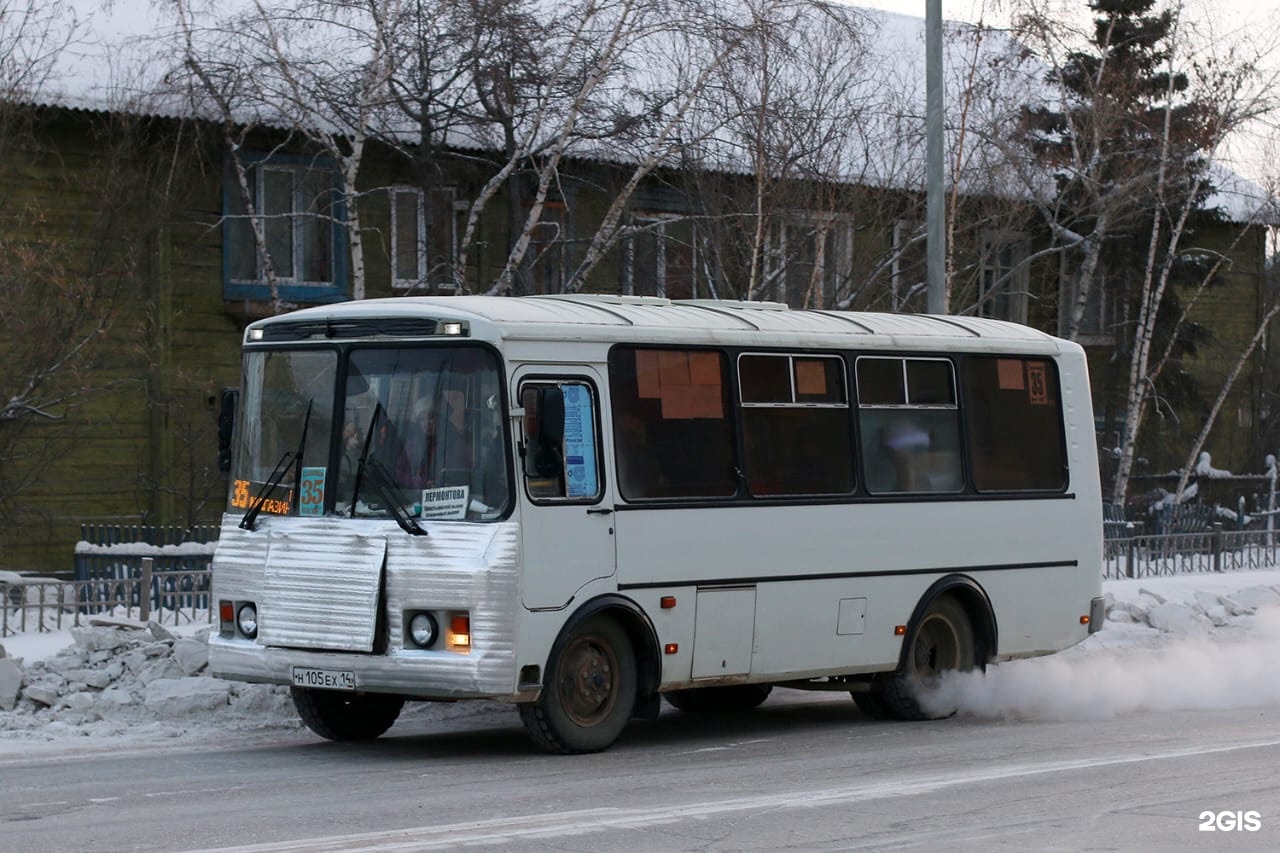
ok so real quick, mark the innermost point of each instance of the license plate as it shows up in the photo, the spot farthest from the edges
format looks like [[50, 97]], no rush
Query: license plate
[[324, 679]]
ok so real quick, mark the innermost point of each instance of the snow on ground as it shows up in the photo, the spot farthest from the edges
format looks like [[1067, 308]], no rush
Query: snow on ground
[[1170, 643]]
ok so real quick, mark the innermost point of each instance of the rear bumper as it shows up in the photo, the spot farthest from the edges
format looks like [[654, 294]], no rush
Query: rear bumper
[[1097, 614]]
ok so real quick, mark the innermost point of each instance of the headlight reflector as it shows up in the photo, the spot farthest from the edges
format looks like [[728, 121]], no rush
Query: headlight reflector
[[247, 620], [422, 629]]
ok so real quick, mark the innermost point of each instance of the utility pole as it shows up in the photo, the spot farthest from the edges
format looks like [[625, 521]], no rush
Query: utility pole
[[935, 205]]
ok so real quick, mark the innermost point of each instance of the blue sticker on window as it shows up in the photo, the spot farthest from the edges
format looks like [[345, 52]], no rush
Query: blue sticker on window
[[579, 443], [311, 492]]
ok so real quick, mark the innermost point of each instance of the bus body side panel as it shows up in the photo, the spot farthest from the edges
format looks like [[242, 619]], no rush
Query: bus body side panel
[[458, 567], [833, 581]]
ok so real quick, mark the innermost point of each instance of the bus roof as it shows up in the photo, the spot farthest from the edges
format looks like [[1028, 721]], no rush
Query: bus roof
[[598, 317]]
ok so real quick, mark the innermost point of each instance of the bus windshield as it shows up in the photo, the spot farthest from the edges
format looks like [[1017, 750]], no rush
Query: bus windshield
[[437, 433], [287, 404], [416, 431]]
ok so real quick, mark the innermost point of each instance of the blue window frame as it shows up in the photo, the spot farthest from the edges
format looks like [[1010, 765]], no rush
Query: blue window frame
[[303, 212]]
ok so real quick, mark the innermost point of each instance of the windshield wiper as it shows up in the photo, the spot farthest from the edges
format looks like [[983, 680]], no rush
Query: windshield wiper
[[278, 472], [382, 481]]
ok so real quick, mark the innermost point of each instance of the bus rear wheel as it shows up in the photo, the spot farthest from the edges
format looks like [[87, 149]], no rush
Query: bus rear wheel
[[735, 697], [346, 716], [942, 643], [589, 691]]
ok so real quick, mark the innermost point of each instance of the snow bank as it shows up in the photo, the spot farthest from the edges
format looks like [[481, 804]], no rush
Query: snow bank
[[118, 676]]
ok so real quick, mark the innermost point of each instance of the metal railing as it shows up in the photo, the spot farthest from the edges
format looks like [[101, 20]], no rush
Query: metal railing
[[1215, 550], [167, 597]]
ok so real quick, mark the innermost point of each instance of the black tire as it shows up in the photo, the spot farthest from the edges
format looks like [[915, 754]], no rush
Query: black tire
[[871, 703], [942, 643], [346, 716], [589, 690], [735, 697]]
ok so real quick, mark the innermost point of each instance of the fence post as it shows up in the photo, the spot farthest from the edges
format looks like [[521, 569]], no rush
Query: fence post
[[144, 597], [1217, 546], [1130, 557], [1271, 501]]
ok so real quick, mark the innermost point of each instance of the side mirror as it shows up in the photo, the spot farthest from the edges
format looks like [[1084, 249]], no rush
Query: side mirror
[[544, 431], [227, 403]]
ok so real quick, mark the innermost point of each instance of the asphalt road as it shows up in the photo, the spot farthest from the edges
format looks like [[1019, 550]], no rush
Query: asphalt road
[[803, 772]]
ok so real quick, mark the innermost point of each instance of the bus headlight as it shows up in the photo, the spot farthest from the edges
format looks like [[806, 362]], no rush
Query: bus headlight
[[247, 620], [423, 630]]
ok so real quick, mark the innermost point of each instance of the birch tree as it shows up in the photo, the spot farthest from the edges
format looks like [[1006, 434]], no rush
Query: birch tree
[[1141, 114]]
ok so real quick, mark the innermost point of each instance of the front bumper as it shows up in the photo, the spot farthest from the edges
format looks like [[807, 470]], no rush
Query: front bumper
[[418, 674]]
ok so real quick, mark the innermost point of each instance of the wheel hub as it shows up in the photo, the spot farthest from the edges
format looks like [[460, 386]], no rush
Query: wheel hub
[[587, 691]]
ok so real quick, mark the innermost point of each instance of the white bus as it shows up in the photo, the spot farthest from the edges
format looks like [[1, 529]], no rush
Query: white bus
[[582, 504]]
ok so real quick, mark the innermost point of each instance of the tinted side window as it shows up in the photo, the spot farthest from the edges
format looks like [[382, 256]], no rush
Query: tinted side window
[[1013, 412], [909, 425], [672, 434], [797, 435]]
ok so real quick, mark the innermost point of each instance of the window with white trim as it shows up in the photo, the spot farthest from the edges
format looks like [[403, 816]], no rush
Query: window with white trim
[[424, 238], [299, 203], [659, 257], [1002, 280]]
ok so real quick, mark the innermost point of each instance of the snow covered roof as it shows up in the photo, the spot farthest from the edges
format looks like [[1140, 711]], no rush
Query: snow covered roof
[[125, 56]]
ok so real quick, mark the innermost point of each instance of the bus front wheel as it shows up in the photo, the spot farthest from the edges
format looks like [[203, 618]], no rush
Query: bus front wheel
[[942, 643], [346, 716], [589, 691]]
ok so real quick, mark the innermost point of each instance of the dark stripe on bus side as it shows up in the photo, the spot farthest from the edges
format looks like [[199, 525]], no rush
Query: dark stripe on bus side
[[834, 500], [946, 570]]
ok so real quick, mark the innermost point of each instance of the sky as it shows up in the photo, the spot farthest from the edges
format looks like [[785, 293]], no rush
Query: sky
[[1181, 643]]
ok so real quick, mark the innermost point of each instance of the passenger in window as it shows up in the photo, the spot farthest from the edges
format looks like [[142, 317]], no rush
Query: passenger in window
[[435, 447], [906, 437], [906, 442]]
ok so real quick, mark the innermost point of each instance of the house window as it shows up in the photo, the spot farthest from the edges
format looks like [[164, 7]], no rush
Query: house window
[[907, 278], [424, 238], [546, 253], [1101, 313], [299, 203], [809, 260], [1002, 281], [659, 258]]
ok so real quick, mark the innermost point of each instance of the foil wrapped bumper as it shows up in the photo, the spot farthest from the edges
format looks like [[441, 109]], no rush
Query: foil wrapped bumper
[[323, 585]]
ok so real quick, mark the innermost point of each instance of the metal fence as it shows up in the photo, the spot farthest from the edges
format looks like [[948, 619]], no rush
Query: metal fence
[[1142, 555], [115, 551], [168, 597]]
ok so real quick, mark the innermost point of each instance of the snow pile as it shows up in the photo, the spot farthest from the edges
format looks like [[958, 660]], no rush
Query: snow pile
[[120, 675], [1204, 610], [1184, 648]]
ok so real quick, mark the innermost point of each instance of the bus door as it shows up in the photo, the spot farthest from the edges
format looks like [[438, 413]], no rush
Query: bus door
[[566, 523]]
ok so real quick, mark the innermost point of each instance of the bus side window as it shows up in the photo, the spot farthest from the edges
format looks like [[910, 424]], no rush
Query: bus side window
[[672, 434], [909, 425], [561, 457], [1014, 419]]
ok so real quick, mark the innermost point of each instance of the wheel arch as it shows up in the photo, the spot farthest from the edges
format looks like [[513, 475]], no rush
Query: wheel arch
[[977, 606], [635, 622]]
